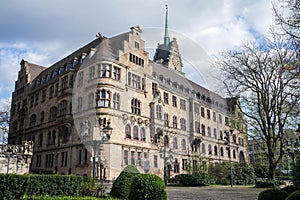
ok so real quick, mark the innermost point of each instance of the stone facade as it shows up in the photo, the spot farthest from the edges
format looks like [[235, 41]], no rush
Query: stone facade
[[15, 159], [159, 117]]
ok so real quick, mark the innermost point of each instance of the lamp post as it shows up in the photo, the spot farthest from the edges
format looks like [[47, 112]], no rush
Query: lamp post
[[227, 143], [105, 133], [161, 139]]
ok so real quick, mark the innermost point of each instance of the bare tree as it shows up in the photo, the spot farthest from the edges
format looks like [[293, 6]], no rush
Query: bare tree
[[287, 15], [4, 121], [266, 77]]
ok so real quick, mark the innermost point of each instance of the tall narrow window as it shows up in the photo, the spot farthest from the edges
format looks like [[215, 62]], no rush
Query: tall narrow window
[[208, 113], [174, 121], [91, 100], [128, 131], [174, 101], [92, 72], [158, 112], [143, 134], [133, 157], [166, 98], [183, 145], [154, 88], [135, 133], [175, 143], [155, 161], [166, 120], [136, 106], [183, 124], [126, 157], [116, 101]]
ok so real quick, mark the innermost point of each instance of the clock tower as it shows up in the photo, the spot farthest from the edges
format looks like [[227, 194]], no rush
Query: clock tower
[[168, 52]]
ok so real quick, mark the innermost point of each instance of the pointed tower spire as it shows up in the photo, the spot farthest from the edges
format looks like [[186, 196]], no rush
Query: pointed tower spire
[[166, 37]]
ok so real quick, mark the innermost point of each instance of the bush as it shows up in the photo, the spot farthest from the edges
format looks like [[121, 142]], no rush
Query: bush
[[265, 183], [294, 196], [195, 179], [147, 186], [14, 186], [243, 174], [289, 189], [121, 186], [47, 197], [221, 172], [272, 194]]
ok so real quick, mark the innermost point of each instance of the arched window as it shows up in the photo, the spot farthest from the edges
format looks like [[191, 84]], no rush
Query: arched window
[[175, 143], [128, 131], [135, 133], [136, 106], [103, 98], [233, 152], [32, 121], [209, 149], [63, 107], [222, 151], [183, 145], [203, 148], [143, 134], [215, 133], [174, 121], [158, 112], [53, 113], [241, 157], [216, 150]]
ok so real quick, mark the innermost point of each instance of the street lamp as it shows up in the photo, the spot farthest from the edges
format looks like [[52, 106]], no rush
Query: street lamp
[[105, 133], [161, 139], [227, 143]]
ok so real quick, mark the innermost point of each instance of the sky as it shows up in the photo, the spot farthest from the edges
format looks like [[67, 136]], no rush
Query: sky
[[43, 32]]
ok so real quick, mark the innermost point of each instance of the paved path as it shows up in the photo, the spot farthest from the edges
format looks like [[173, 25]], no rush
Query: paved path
[[213, 193]]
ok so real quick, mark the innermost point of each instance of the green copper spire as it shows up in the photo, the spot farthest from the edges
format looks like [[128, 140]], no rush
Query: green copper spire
[[166, 38]]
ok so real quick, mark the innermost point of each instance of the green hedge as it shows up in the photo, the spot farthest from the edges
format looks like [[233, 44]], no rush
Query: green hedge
[[195, 179], [14, 186], [147, 186]]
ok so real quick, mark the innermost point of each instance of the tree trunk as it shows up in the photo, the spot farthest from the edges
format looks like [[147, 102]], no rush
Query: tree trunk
[[272, 168]]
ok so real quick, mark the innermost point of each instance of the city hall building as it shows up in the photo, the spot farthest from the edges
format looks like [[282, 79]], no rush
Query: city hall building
[[108, 105]]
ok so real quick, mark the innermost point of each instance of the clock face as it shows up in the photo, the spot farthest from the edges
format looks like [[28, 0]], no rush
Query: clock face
[[175, 61]]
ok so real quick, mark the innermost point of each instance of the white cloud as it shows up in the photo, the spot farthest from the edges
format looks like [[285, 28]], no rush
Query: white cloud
[[43, 32]]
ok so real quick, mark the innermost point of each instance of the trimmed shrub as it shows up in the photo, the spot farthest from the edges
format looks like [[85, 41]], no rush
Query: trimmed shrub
[[289, 189], [294, 196], [147, 186], [195, 179], [121, 186], [14, 186], [272, 194], [265, 183]]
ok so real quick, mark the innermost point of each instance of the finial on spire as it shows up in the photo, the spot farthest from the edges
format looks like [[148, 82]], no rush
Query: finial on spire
[[166, 37]]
